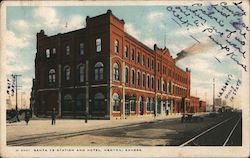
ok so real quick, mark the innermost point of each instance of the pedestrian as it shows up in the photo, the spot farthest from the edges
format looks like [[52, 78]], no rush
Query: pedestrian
[[86, 117], [53, 116], [154, 113], [27, 117]]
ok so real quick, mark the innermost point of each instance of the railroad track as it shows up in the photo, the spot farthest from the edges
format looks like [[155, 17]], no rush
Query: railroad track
[[217, 135]]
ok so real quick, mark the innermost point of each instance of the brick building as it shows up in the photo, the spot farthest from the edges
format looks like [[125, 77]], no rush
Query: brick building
[[106, 72]]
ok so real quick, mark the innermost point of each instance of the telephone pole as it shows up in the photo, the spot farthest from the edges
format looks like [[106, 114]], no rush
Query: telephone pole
[[15, 76]]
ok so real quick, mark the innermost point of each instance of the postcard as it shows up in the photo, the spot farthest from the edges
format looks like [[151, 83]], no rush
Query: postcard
[[125, 79]]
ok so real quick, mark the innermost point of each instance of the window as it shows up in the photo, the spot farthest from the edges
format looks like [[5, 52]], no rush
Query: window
[[67, 50], [99, 71], [116, 71], [158, 67], [126, 51], [143, 80], [81, 73], [67, 73], [163, 86], [143, 58], [98, 105], [67, 103], [152, 82], [148, 84], [98, 44], [152, 64], [148, 62], [138, 57], [116, 46], [153, 104], [54, 51], [52, 76], [148, 104], [138, 78], [81, 49], [47, 53], [133, 54], [158, 84], [141, 105], [80, 102], [132, 104], [116, 102], [133, 77], [126, 75], [169, 87]]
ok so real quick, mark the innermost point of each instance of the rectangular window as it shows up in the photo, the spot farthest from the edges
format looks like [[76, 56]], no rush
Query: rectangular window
[[158, 67], [54, 51], [143, 80], [148, 62], [47, 53], [152, 64], [133, 54], [98, 44], [138, 57], [81, 49], [143, 62], [67, 50], [126, 51], [132, 104], [152, 82]]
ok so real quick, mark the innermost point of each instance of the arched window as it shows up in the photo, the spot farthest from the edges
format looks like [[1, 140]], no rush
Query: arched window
[[52, 76], [98, 105], [148, 81], [116, 102], [126, 75], [148, 104], [116, 46], [138, 78], [67, 73], [99, 71], [116, 71], [133, 77], [80, 102], [141, 105], [67, 103], [163, 86], [143, 80], [169, 87], [81, 73], [152, 82]]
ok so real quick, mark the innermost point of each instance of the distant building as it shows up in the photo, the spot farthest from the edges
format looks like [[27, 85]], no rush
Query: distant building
[[104, 71], [218, 102]]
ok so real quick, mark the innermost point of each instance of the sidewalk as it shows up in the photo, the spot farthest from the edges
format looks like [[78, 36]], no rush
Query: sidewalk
[[42, 127]]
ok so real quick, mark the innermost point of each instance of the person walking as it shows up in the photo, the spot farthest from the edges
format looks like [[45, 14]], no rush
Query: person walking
[[53, 116]]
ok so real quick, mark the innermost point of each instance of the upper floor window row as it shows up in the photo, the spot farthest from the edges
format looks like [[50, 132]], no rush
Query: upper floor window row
[[48, 52]]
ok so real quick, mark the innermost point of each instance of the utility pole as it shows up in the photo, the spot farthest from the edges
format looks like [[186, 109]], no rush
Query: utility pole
[[213, 95], [15, 77]]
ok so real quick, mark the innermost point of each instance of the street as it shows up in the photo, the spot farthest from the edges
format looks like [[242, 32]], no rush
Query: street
[[219, 130]]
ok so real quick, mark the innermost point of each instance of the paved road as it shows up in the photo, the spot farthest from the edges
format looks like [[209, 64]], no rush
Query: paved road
[[168, 132]]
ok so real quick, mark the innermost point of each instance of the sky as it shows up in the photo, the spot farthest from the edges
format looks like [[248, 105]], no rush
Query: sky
[[149, 24]]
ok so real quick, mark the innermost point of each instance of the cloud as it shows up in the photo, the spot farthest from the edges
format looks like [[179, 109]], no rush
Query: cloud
[[12, 41], [155, 16], [150, 42], [130, 29], [20, 25], [48, 16], [75, 22]]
